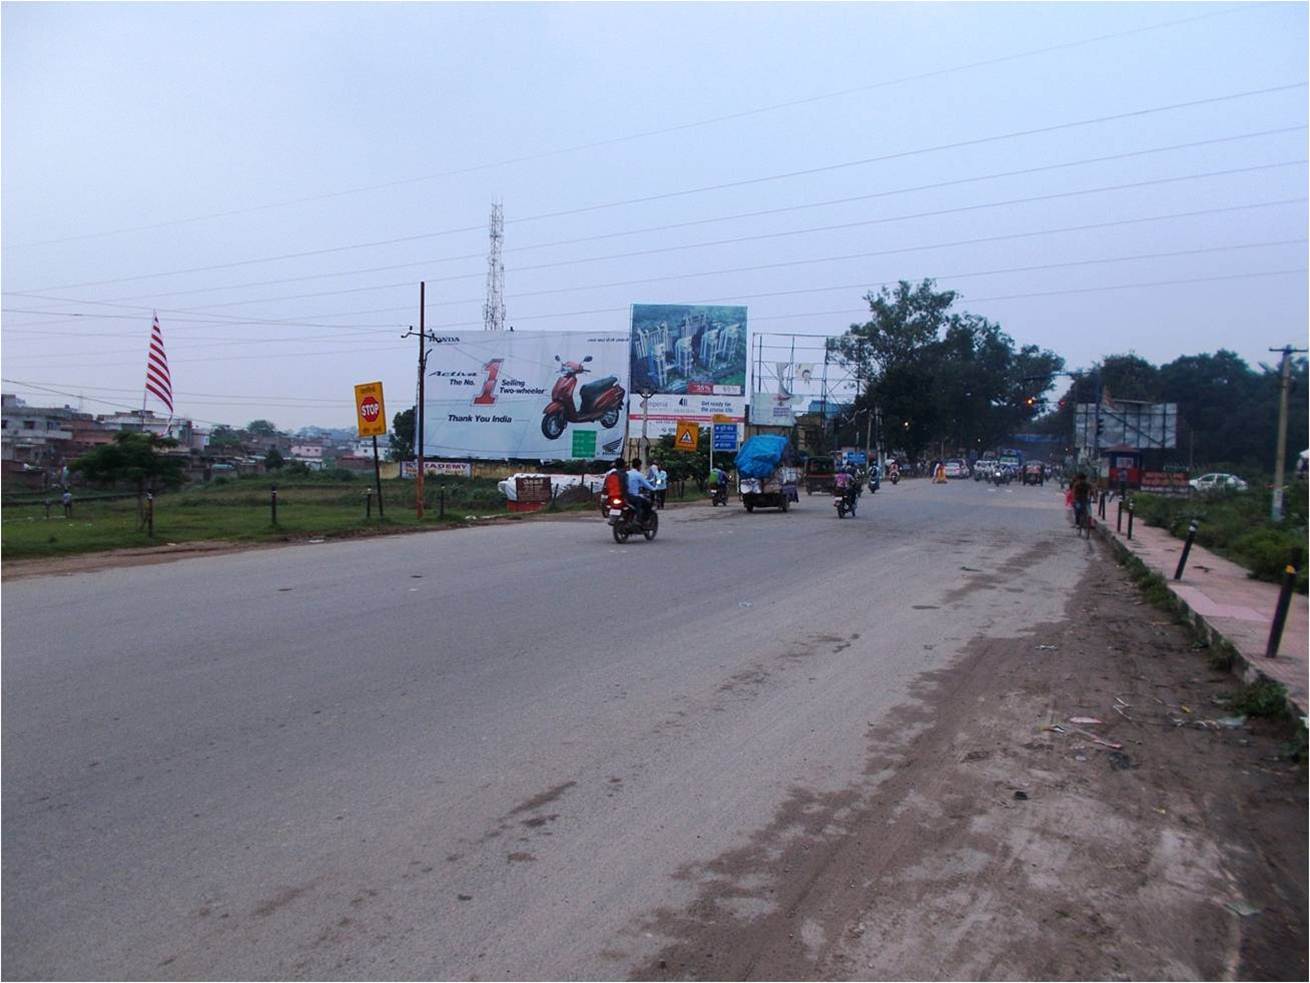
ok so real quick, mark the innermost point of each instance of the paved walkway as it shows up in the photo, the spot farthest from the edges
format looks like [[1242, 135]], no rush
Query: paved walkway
[[1222, 596]]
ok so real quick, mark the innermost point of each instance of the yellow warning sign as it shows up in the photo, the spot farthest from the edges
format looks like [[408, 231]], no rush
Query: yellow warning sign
[[688, 436]]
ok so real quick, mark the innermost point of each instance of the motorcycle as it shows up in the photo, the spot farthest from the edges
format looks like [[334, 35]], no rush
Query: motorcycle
[[844, 502], [623, 522], [600, 400], [895, 478], [719, 494]]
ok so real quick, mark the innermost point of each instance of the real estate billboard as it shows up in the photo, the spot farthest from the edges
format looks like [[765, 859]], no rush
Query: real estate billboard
[[693, 359], [536, 395]]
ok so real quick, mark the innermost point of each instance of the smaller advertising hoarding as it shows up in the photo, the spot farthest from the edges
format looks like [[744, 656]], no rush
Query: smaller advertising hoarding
[[457, 469], [664, 412], [773, 410]]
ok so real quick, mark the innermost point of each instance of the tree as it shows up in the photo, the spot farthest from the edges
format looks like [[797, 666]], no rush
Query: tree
[[224, 436], [261, 428], [135, 458], [938, 376], [402, 436], [273, 460]]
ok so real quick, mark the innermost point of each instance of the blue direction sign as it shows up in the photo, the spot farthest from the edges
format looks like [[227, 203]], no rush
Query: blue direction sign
[[725, 436]]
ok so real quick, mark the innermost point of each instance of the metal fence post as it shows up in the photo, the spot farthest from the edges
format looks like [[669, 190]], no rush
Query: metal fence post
[[150, 515], [1187, 548], [368, 503], [1130, 520], [1280, 612], [273, 504], [1119, 517]]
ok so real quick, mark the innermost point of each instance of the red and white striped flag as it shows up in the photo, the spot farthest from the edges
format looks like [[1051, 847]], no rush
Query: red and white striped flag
[[158, 381]]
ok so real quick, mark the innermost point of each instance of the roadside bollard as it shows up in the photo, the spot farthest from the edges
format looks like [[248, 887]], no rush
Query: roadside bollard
[[1130, 520], [1100, 506], [1280, 612], [1187, 548], [1119, 518], [273, 505], [441, 502], [368, 503], [150, 515]]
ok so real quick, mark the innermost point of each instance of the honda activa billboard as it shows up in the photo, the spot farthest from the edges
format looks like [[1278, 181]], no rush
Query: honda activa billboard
[[537, 395], [693, 358]]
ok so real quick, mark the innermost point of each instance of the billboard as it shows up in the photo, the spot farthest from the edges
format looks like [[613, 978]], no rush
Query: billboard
[[693, 358], [537, 395], [1142, 426]]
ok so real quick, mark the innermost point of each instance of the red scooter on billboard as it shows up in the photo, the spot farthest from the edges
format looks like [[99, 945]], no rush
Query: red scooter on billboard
[[600, 400]]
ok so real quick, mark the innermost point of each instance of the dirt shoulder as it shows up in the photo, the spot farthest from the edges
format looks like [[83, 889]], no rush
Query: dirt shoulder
[[987, 845]]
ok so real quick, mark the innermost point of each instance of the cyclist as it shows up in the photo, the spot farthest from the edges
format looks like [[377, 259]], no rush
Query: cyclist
[[1081, 490]]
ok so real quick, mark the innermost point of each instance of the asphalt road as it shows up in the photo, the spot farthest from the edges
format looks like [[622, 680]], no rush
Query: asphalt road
[[513, 751]]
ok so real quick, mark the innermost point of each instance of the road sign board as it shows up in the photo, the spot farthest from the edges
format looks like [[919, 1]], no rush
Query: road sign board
[[725, 436], [584, 443], [687, 437], [370, 409]]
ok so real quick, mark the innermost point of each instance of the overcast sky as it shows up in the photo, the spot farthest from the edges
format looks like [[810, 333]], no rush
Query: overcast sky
[[276, 180]]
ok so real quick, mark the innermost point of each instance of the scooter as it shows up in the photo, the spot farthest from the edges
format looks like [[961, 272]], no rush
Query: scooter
[[623, 522], [600, 400]]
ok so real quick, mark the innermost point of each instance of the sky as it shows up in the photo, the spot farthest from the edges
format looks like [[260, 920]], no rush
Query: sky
[[276, 179]]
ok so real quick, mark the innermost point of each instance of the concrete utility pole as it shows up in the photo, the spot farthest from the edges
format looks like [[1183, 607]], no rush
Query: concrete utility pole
[[1276, 508], [423, 340]]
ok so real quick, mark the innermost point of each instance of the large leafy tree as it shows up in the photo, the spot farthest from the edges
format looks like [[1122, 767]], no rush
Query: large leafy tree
[[136, 459], [938, 375], [402, 436]]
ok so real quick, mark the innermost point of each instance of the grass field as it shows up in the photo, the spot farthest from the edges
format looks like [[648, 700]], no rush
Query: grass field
[[1237, 526], [239, 511]]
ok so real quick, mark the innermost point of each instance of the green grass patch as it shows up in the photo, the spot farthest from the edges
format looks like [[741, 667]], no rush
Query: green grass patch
[[240, 511], [1262, 699], [1237, 526]]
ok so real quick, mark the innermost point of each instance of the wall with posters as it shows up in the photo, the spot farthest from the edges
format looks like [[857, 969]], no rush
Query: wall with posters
[[535, 395], [693, 357]]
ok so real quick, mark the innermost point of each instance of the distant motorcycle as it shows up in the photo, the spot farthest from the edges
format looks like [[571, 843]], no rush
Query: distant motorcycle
[[719, 494], [600, 400], [844, 502]]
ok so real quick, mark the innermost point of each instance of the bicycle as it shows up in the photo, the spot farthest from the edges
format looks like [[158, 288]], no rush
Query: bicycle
[[1082, 518]]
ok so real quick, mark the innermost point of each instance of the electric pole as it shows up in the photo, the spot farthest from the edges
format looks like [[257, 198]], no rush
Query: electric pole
[[423, 339], [1276, 509]]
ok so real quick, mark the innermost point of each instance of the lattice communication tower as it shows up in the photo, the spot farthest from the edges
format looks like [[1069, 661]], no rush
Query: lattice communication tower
[[493, 309]]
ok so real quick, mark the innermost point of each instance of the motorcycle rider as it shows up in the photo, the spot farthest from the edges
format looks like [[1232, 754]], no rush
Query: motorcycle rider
[[718, 482], [615, 483], [847, 484], [637, 484]]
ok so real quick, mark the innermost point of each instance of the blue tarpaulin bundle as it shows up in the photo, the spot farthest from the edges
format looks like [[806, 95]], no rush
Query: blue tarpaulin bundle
[[760, 456]]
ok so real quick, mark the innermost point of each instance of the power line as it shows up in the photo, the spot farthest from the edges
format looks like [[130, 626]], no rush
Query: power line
[[540, 155], [725, 218], [664, 196], [759, 237], [857, 312]]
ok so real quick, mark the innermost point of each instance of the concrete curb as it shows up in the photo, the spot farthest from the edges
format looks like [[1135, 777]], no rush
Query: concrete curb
[[1243, 666]]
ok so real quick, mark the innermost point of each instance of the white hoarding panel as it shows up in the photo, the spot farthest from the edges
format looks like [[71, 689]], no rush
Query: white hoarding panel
[[664, 412], [535, 395]]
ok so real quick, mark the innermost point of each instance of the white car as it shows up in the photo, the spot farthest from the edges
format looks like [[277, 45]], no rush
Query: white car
[[1217, 481], [957, 469]]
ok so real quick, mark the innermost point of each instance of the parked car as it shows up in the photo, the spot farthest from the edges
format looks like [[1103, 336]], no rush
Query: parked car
[[1034, 474], [956, 468], [1217, 481]]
